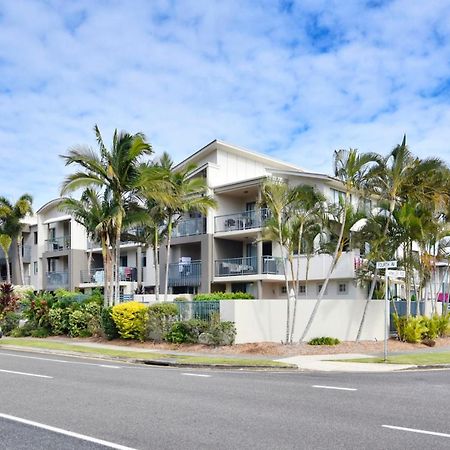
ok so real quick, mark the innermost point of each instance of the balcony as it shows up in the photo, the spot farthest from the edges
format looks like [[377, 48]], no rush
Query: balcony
[[190, 227], [58, 244], [271, 265], [97, 275], [236, 266], [185, 273], [56, 279], [26, 253], [245, 220]]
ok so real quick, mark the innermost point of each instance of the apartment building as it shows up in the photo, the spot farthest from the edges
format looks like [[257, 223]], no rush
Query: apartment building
[[223, 251]]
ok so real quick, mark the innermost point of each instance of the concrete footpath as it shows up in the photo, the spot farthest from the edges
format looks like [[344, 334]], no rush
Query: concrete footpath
[[323, 363]]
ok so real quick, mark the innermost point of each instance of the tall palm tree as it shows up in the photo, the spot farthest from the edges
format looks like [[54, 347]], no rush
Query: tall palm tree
[[351, 168], [115, 169], [277, 197], [308, 211], [186, 193], [12, 216], [5, 244], [96, 212]]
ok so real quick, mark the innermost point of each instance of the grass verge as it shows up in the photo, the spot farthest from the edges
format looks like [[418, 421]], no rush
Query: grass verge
[[419, 359], [130, 354]]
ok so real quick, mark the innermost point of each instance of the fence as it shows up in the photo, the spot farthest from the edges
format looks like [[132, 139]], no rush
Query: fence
[[198, 310]]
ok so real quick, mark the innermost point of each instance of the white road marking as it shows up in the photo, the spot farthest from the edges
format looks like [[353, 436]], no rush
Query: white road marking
[[59, 360], [414, 430], [25, 373], [334, 387], [65, 432], [196, 375]]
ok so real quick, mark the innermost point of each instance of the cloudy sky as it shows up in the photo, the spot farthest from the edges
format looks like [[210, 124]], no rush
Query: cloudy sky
[[292, 79]]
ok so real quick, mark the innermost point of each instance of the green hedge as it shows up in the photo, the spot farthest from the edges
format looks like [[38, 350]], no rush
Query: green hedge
[[214, 296]]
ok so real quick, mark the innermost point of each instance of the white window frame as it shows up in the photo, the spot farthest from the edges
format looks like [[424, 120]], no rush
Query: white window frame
[[345, 292]]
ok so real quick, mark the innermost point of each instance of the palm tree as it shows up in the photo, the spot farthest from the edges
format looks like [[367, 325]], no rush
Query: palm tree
[[308, 212], [277, 197], [96, 212], [351, 168], [12, 216], [185, 194], [5, 244], [117, 170]]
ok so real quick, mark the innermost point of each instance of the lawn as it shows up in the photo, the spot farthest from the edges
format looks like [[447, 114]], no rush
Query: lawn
[[130, 354], [411, 358]]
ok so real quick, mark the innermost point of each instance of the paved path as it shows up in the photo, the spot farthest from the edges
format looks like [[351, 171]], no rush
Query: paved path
[[158, 408]]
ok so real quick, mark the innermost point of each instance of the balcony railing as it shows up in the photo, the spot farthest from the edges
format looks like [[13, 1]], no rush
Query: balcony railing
[[190, 227], [236, 266], [244, 220], [26, 253], [56, 279], [185, 273], [97, 276], [58, 244], [271, 265]]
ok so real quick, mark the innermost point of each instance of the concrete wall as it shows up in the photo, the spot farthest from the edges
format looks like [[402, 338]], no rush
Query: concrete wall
[[265, 320]]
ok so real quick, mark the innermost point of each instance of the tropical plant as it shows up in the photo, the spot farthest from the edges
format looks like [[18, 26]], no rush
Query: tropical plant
[[116, 170], [5, 244], [11, 218]]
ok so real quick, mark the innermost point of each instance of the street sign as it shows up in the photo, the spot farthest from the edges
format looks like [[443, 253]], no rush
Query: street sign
[[396, 273], [386, 264]]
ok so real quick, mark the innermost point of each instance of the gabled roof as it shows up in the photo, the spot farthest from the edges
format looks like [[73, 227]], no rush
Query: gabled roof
[[217, 144]]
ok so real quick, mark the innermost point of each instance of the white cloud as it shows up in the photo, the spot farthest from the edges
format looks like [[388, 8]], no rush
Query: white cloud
[[293, 80]]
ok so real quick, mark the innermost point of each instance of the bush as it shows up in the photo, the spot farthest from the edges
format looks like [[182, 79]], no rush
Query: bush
[[8, 300], [108, 325], [214, 296], [85, 321], [130, 319], [324, 340], [161, 317], [432, 327], [221, 333], [59, 320], [10, 321], [37, 309], [24, 331], [40, 332], [415, 329], [187, 332]]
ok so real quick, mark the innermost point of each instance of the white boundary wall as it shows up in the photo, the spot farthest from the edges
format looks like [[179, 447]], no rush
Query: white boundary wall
[[265, 320]]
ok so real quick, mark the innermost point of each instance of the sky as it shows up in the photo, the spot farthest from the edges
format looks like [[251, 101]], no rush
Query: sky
[[292, 79]]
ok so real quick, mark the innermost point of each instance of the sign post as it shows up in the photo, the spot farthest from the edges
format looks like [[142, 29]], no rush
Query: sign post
[[386, 265]]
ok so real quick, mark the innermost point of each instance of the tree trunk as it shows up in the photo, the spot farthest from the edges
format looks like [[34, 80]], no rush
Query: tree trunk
[[288, 301], [156, 262], [296, 281], [20, 259], [8, 269], [105, 273], [117, 259], [166, 274], [330, 271]]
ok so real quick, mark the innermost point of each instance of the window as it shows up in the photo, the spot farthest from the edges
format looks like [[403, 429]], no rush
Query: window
[[283, 289], [342, 288], [144, 261], [35, 267], [123, 261], [319, 288], [367, 205], [302, 289], [337, 196], [35, 238]]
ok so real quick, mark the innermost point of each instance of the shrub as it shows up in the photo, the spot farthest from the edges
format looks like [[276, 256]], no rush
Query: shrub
[[108, 325], [8, 299], [414, 329], [444, 325], [324, 340], [432, 327], [10, 321], [161, 317], [221, 333], [77, 323], [188, 331], [37, 309], [85, 321], [130, 319], [59, 320], [23, 331], [40, 332], [214, 296]]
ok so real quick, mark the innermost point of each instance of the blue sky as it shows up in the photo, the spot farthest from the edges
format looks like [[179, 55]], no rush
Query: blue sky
[[293, 79]]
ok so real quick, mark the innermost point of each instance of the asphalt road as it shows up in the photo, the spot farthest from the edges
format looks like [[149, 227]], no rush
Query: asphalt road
[[164, 408]]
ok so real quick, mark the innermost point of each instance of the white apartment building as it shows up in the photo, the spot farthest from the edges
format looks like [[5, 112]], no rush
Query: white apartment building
[[223, 251]]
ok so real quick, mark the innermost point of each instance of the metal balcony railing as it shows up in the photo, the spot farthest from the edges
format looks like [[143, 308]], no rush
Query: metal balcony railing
[[236, 266], [185, 273], [272, 265], [97, 275], [244, 220], [190, 227], [56, 279], [58, 244]]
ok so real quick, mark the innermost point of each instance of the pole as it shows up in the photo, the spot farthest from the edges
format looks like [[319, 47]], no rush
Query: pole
[[386, 308]]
